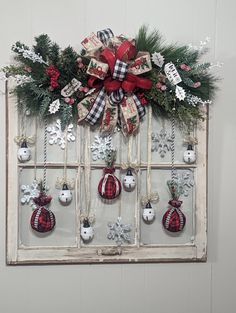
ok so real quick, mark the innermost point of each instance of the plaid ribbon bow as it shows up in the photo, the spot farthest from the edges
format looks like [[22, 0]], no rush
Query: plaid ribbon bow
[[118, 85]]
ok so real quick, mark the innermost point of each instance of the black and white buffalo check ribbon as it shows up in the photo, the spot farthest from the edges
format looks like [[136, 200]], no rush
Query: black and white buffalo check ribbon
[[140, 107], [97, 108], [120, 70], [104, 35], [116, 96]]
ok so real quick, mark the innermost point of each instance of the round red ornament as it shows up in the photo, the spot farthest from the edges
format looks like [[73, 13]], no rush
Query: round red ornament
[[174, 219], [109, 186], [42, 220]]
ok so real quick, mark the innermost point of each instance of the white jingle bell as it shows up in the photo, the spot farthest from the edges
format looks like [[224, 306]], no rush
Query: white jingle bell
[[129, 181], [189, 155], [65, 195], [24, 153], [86, 231], [148, 213]]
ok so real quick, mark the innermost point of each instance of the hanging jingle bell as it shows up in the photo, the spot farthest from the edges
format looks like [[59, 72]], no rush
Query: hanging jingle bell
[[86, 231], [129, 181], [189, 155], [174, 219], [109, 186], [24, 152], [65, 195], [148, 213]]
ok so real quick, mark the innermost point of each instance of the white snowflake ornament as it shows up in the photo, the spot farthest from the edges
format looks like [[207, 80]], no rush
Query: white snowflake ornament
[[100, 146], [119, 232], [57, 136], [161, 142], [158, 59], [54, 106], [29, 193], [185, 181], [180, 93]]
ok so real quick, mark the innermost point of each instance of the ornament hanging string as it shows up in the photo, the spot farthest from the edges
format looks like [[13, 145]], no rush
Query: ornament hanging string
[[130, 165], [35, 149], [151, 196], [45, 155], [87, 172], [172, 148], [65, 158]]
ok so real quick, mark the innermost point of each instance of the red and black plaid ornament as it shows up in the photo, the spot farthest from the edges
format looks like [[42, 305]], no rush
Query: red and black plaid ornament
[[174, 219], [109, 186], [42, 220]]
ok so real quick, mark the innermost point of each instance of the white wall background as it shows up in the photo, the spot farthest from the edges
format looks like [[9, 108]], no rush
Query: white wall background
[[162, 288]]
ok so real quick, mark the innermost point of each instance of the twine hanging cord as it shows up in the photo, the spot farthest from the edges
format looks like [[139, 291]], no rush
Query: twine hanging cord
[[151, 196]]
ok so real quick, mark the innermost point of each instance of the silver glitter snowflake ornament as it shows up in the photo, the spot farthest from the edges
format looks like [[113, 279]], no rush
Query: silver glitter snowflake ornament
[[161, 142], [29, 193], [100, 146], [119, 232], [185, 181], [58, 136]]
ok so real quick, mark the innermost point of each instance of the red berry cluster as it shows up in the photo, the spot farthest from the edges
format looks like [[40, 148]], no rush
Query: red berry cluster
[[54, 74]]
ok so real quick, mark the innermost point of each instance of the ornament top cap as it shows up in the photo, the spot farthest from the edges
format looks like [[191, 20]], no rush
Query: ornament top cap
[[175, 203], [148, 205], [65, 186], [190, 147], [24, 144], [86, 223], [129, 172]]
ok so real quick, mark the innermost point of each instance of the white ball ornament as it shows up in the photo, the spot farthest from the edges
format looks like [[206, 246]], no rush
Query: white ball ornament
[[189, 155], [148, 213], [24, 153], [86, 231], [129, 181], [65, 195]]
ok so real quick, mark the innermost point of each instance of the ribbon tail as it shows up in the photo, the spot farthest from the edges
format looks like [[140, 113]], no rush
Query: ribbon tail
[[140, 107], [97, 109]]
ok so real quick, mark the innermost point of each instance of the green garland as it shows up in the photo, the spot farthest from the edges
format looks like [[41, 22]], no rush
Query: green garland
[[35, 92]]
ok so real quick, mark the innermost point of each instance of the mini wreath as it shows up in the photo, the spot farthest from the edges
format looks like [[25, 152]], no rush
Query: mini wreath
[[112, 80]]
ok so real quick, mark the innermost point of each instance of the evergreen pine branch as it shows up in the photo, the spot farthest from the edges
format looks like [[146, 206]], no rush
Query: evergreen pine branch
[[42, 47], [150, 42], [66, 115]]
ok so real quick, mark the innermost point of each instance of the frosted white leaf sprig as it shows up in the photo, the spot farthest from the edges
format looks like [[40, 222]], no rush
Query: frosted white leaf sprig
[[28, 54], [180, 93], [58, 136], [158, 59], [54, 106]]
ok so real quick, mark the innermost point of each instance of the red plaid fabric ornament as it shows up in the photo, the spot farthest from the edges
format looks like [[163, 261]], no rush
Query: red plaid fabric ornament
[[174, 219], [42, 220], [109, 186]]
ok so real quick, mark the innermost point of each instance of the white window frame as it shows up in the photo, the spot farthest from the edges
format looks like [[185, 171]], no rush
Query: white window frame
[[194, 251]]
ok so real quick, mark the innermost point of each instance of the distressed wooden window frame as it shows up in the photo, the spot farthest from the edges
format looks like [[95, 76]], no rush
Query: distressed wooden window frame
[[194, 251]]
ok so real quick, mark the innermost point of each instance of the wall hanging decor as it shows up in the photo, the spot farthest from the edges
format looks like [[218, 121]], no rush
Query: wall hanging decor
[[133, 110]]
